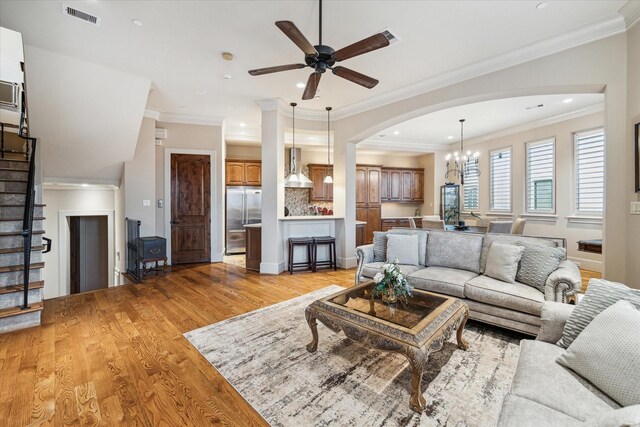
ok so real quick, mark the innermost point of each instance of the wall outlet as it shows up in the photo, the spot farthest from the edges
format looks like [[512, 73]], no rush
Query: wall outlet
[[635, 208], [146, 203], [160, 203]]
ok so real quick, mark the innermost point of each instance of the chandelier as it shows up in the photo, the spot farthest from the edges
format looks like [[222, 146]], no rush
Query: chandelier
[[462, 162]]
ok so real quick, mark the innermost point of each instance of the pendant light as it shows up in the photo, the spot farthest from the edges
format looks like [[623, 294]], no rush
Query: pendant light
[[328, 179], [296, 178], [463, 164]]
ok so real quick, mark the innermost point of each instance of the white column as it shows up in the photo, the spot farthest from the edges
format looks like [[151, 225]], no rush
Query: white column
[[344, 198], [272, 187]]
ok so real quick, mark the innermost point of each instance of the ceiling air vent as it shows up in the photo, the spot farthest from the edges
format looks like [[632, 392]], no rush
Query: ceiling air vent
[[69, 11], [390, 36]]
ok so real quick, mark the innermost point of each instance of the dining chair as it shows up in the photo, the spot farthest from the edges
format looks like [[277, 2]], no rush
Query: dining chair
[[500, 227], [428, 224], [518, 226], [412, 223]]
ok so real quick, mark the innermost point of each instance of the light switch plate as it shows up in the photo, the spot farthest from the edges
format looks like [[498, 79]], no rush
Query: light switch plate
[[635, 208], [160, 203], [146, 203]]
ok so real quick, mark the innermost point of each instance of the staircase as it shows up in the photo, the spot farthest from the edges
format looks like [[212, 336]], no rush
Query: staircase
[[14, 313]]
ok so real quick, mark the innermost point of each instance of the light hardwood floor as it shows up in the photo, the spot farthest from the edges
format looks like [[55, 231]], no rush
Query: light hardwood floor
[[118, 357]]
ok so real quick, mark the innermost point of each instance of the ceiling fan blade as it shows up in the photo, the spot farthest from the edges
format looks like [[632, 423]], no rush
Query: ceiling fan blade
[[296, 36], [355, 77], [312, 86], [268, 70], [369, 44]]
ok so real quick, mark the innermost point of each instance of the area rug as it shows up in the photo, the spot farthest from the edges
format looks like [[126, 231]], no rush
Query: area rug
[[263, 356]]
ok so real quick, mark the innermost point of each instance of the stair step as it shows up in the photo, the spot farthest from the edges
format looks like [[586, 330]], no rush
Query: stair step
[[10, 268], [16, 311], [17, 258], [7, 212], [18, 288], [16, 225], [14, 164], [19, 233], [16, 185], [35, 218], [20, 250], [12, 198], [13, 173]]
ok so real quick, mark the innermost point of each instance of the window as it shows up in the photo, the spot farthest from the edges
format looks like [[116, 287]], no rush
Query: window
[[500, 180], [540, 176], [589, 168], [471, 188]]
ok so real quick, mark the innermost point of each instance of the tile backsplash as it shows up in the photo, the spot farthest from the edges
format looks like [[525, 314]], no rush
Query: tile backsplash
[[297, 201]]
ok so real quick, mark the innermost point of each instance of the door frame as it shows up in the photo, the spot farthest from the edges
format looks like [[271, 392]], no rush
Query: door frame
[[167, 197], [64, 237]]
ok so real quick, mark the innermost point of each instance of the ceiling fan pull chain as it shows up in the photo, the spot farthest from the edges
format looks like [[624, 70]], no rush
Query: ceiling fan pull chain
[[320, 25]]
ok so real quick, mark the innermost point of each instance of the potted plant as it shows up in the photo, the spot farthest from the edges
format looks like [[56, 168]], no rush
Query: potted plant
[[391, 285]]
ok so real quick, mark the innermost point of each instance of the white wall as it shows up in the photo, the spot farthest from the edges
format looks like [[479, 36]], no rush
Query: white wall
[[85, 200], [564, 183], [633, 116]]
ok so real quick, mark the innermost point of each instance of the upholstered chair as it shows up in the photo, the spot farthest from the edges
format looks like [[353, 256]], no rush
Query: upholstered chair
[[518, 226], [500, 227], [430, 224]]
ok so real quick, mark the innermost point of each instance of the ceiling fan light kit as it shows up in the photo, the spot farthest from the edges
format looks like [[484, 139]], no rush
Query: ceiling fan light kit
[[322, 57], [328, 179]]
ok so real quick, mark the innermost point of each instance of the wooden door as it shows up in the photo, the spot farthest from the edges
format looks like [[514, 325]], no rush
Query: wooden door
[[373, 222], [407, 185], [418, 186], [317, 174], [374, 183], [190, 208], [253, 174], [384, 186], [395, 185], [235, 173], [362, 188], [89, 253]]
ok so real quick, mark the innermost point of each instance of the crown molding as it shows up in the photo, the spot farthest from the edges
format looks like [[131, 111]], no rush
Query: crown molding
[[388, 144], [631, 13], [152, 114], [60, 183], [191, 120]]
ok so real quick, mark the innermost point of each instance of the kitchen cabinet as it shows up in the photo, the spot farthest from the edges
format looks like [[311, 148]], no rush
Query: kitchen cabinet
[[368, 199], [253, 256], [402, 185], [321, 191], [360, 234], [389, 223], [244, 172]]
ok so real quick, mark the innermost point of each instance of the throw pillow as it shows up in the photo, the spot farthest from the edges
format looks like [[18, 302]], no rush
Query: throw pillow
[[607, 353], [404, 248], [502, 261], [454, 250], [423, 236], [537, 263], [600, 295], [379, 246]]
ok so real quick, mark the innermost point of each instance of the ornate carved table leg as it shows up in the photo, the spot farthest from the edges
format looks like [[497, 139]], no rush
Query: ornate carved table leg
[[462, 343], [313, 325], [418, 361]]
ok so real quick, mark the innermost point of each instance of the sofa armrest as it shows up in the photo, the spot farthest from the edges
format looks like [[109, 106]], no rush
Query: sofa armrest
[[364, 255], [552, 319], [565, 281]]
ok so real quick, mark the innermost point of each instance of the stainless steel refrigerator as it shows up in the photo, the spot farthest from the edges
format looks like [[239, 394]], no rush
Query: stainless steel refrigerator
[[244, 206]]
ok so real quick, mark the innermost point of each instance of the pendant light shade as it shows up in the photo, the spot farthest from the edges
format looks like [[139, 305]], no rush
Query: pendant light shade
[[328, 179], [296, 178]]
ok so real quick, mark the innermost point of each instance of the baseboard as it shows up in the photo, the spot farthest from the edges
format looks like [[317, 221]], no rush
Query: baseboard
[[217, 257], [271, 267], [587, 264], [351, 262]]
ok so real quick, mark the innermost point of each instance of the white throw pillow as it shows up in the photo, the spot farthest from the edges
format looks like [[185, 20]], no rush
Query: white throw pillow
[[607, 353], [502, 261], [404, 248]]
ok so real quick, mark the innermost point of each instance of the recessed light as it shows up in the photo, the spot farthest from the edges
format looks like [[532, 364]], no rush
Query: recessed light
[[242, 125], [450, 137], [227, 56], [242, 133], [396, 132], [542, 5], [138, 22], [182, 107], [227, 76], [84, 185], [201, 92], [568, 100], [300, 85]]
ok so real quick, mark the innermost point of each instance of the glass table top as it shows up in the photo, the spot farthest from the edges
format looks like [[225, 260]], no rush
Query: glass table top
[[408, 315]]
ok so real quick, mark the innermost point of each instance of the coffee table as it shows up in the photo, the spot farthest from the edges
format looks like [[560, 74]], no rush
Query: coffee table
[[415, 330]]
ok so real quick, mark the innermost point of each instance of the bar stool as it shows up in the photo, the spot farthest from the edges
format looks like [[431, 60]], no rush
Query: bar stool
[[301, 241], [331, 262]]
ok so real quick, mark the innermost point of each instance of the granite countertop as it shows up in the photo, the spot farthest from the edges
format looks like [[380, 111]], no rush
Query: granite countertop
[[253, 225], [309, 218], [401, 217], [361, 222]]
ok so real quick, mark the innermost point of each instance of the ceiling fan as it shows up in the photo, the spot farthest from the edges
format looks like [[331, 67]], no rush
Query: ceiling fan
[[322, 58]]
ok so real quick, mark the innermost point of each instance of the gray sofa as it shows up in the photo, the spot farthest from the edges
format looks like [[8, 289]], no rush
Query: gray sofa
[[543, 393], [453, 263]]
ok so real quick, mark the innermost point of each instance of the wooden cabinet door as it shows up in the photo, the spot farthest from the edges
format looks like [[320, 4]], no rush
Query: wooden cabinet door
[[319, 190], [395, 185], [373, 222], [359, 235], [362, 187], [235, 173], [253, 173], [418, 186], [388, 224], [361, 214], [384, 186], [374, 184], [407, 181]]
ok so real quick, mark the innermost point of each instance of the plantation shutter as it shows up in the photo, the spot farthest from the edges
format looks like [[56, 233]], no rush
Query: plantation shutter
[[500, 180], [589, 169], [471, 188], [540, 176]]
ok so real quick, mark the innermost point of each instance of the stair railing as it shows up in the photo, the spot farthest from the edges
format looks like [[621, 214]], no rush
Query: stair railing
[[27, 218]]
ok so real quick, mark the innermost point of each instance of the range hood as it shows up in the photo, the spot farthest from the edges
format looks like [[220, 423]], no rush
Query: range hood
[[296, 179]]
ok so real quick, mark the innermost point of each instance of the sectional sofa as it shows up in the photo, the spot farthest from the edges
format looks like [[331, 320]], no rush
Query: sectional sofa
[[453, 263]]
